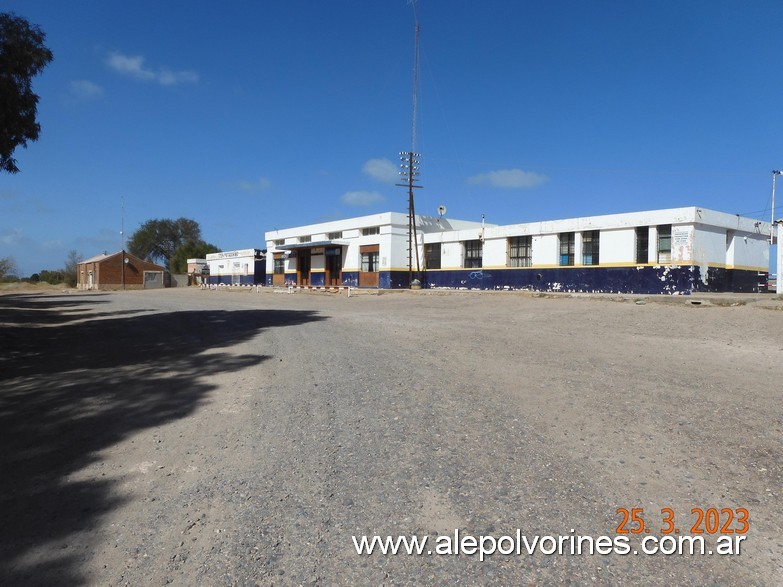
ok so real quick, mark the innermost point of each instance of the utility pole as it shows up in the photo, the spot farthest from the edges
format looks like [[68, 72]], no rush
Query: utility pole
[[775, 173], [122, 238]]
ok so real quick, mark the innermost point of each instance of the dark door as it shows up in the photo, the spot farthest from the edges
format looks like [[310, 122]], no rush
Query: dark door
[[303, 267], [334, 265]]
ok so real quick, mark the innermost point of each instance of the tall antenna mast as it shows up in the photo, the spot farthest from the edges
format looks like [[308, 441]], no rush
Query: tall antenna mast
[[122, 223], [417, 31], [410, 159]]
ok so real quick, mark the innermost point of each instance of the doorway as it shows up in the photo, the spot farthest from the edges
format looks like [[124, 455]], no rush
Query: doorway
[[334, 265], [303, 264], [368, 276]]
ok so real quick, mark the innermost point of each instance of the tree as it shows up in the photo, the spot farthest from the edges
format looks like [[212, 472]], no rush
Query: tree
[[190, 250], [71, 270], [8, 269], [156, 240], [22, 57], [51, 277]]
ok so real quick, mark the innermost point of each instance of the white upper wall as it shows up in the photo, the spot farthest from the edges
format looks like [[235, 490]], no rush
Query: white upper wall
[[232, 254], [434, 229], [689, 215], [352, 227]]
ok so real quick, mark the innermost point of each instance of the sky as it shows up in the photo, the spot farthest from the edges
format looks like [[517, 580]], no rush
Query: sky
[[249, 116]]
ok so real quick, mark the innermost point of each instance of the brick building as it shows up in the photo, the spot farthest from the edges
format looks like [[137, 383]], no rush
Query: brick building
[[119, 270]]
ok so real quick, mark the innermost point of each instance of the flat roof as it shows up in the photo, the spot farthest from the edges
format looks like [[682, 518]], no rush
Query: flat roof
[[294, 246]]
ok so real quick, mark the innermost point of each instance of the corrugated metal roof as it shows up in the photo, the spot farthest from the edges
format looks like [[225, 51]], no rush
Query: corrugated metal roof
[[104, 256], [97, 258]]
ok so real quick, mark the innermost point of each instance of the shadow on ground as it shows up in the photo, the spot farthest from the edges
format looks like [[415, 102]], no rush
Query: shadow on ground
[[72, 387]]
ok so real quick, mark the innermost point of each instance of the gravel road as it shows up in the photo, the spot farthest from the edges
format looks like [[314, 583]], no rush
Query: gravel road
[[194, 437]]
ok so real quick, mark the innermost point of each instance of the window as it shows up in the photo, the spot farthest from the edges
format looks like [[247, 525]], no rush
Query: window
[[369, 258], [370, 262], [665, 243], [567, 248], [305, 239], [473, 253], [432, 256], [371, 230], [519, 251], [590, 242], [335, 235], [279, 265], [279, 242], [642, 244]]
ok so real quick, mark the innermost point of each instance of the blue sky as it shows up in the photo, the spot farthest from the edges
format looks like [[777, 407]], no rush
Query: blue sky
[[253, 115]]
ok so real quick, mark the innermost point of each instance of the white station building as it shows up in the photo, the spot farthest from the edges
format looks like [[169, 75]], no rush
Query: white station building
[[674, 251], [241, 267]]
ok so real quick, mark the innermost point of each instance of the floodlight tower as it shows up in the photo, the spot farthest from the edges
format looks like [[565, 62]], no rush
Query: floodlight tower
[[409, 165]]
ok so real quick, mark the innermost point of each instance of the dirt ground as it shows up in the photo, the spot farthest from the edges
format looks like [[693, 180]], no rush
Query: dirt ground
[[194, 437]]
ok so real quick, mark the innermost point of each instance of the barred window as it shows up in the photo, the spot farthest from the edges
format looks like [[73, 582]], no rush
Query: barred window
[[305, 239], [665, 243], [520, 251], [335, 235], [590, 242], [432, 256], [567, 246], [371, 230], [473, 254], [642, 244]]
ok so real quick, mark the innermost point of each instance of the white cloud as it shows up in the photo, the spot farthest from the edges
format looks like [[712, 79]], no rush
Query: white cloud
[[133, 66], [12, 237], [361, 198], [85, 89], [381, 170], [509, 178], [172, 78], [255, 186], [56, 245]]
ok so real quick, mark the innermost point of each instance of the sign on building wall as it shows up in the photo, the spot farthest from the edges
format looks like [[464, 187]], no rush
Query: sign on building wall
[[232, 254], [682, 243]]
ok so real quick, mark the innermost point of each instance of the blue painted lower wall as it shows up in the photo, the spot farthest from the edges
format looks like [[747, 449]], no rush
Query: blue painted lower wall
[[645, 279], [228, 280], [351, 278], [257, 278], [642, 279]]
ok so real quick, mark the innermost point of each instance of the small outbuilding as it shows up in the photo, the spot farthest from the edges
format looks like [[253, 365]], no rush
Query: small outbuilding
[[241, 267], [117, 271], [198, 271]]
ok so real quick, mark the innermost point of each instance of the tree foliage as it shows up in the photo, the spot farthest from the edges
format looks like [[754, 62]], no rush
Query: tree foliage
[[51, 276], [22, 57], [71, 270], [157, 240], [8, 270], [190, 250]]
